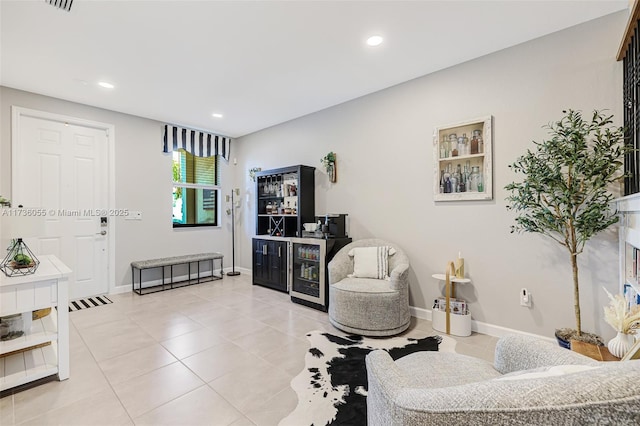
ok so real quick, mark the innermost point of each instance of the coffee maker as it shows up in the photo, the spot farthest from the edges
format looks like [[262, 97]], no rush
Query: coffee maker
[[333, 225]]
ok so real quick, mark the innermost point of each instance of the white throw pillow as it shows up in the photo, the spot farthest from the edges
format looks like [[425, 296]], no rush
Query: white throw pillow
[[371, 262], [556, 370]]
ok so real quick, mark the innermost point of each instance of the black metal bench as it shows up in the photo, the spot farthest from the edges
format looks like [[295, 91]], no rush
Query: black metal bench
[[170, 262]]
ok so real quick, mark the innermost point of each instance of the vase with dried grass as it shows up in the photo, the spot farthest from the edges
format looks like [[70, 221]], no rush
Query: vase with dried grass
[[625, 320]]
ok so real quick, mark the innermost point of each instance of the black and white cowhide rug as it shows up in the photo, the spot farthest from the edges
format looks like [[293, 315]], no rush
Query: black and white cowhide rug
[[332, 389]]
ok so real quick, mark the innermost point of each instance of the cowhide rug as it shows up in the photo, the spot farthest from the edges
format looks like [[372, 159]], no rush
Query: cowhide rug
[[332, 389]]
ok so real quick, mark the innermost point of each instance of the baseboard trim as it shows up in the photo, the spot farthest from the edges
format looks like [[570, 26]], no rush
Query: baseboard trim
[[238, 269], [481, 327], [121, 289]]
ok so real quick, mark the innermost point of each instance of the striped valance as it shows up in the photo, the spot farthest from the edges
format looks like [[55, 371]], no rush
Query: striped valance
[[200, 144]]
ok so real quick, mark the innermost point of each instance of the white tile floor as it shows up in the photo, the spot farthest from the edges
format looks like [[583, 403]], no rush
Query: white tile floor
[[217, 353]]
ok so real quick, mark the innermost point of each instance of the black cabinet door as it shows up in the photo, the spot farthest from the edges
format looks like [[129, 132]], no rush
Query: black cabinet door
[[270, 263], [278, 264], [260, 262]]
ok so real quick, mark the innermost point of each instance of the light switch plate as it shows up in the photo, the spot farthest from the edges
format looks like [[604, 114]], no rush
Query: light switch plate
[[134, 216]]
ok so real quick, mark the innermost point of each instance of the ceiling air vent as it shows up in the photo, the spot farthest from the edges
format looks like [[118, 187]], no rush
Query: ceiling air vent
[[62, 4]]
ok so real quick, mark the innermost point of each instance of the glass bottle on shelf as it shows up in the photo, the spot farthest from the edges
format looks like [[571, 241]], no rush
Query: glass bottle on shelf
[[467, 173], [455, 179], [474, 178], [478, 135], [442, 181], [474, 143], [458, 178], [480, 183], [463, 145], [453, 142], [461, 180], [447, 180]]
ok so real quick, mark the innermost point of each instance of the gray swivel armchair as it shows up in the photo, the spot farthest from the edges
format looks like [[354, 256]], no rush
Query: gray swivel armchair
[[531, 382], [369, 306]]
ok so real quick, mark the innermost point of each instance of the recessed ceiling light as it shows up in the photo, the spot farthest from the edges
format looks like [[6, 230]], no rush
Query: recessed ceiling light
[[216, 115], [375, 40], [106, 85]]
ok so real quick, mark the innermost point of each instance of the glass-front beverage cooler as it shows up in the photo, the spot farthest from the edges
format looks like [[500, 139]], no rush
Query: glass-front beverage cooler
[[309, 259], [308, 268]]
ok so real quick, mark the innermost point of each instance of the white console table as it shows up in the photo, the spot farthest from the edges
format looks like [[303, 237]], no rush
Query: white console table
[[47, 287]]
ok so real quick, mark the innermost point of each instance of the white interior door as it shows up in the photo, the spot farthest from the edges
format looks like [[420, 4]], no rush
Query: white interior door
[[63, 167]]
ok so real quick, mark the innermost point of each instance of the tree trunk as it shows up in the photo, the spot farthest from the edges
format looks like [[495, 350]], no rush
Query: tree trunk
[[576, 292]]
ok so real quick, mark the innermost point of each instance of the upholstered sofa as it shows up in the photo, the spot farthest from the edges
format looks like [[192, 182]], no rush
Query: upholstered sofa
[[439, 388], [369, 306]]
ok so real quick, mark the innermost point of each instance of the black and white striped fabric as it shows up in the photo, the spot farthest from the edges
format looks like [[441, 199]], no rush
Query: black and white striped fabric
[[89, 302], [200, 144], [62, 4]]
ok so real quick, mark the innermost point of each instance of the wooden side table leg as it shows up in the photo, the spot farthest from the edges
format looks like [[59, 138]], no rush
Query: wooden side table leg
[[449, 289], [446, 306]]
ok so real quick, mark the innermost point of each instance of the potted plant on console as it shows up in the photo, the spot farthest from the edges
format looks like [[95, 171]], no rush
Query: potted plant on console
[[565, 193]]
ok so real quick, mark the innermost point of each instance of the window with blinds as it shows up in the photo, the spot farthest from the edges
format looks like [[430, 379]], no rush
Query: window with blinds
[[629, 52], [631, 116], [195, 189]]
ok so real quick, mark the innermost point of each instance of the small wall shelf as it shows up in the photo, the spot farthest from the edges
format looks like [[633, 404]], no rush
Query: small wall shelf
[[463, 168]]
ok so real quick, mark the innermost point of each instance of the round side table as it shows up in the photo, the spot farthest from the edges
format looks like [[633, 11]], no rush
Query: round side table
[[462, 323]]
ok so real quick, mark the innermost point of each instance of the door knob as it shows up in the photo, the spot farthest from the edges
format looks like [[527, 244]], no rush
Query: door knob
[[101, 233]]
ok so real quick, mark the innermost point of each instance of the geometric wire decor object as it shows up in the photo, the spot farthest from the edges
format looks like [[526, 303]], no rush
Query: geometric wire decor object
[[17, 224], [20, 260], [61, 4]]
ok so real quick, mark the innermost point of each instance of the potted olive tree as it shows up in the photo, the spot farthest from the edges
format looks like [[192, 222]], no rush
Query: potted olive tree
[[565, 192]]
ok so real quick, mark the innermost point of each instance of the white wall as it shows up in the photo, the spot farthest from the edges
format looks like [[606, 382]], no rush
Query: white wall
[[142, 182], [385, 174]]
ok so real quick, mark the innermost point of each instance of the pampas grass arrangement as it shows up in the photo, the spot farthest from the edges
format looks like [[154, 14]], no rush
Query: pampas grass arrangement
[[619, 317]]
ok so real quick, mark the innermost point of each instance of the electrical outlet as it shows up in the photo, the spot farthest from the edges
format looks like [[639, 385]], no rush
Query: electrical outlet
[[525, 298]]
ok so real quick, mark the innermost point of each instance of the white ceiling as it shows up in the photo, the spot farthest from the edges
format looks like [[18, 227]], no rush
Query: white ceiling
[[259, 63]]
